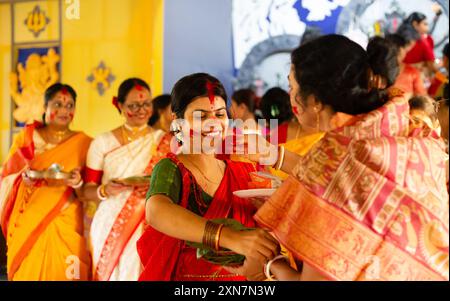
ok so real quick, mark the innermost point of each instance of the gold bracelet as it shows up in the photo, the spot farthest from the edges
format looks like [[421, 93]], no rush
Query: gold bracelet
[[217, 237], [281, 158], [210, 233]]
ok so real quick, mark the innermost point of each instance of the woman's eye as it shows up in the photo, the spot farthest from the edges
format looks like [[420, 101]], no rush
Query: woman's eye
[[220, 115]]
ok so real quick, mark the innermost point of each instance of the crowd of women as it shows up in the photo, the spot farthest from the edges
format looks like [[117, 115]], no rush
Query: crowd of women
[[362, 149]]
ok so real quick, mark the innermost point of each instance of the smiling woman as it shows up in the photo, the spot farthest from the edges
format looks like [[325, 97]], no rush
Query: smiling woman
[[35, 214], [130, 150], [188, 190]]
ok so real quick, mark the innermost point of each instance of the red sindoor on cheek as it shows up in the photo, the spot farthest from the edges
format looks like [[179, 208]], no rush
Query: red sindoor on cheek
[[71, 115], [53, 115], [295, 110]]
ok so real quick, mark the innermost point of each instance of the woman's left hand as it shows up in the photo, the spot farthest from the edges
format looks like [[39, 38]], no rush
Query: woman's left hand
[[141, 191], [75, 178], [251, 269]]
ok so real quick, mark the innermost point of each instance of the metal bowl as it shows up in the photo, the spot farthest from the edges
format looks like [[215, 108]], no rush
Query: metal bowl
[[35, 174], [58, 175]]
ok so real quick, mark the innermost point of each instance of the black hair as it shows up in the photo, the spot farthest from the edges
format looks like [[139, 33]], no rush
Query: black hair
[[246, 97], [276, 104], [127, 85], [383, 59], [339, 78], [397, 40], [415, 17], [425, 104], [51, 92], [159, 103], [445, 50], [407, 32], [191, 87]]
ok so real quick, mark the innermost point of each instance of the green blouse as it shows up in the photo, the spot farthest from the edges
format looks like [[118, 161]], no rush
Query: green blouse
[[166, 180]]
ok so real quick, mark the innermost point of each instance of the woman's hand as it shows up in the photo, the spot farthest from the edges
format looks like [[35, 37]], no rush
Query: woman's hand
[[141, 191], [251, 269], [257, 149], [27, 180], [113, 189], [75, 178], [258, 201], [256, 244]]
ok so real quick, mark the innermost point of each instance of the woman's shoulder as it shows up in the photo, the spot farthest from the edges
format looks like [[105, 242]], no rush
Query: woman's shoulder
[[165, 165], [104, 142]]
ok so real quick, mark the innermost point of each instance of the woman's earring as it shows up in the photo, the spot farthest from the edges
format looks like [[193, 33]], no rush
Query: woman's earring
[[175, 128], [317, 119]]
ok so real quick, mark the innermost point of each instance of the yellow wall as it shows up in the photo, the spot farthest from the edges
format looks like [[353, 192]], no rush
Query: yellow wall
[[126, 35], [5, 68]]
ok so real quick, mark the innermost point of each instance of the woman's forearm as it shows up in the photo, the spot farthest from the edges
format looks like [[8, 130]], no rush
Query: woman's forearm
[[290, 161], [174, 220], [90, 192], [282, 271]]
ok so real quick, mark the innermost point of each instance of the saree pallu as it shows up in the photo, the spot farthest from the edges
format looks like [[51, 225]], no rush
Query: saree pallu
[[118, 222], [42, 224], [368, 202], [169, 259], [299, 146]]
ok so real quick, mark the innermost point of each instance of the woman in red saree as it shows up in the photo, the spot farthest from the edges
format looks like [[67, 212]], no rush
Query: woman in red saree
[[43, 222], [369, 201], [193, 187]]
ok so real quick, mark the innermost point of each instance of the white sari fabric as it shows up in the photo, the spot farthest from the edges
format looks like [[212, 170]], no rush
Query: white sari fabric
[[117, 161]]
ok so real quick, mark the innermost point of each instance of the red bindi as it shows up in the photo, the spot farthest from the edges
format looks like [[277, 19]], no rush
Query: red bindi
[[211, 95], [138, 87], [64, 91]]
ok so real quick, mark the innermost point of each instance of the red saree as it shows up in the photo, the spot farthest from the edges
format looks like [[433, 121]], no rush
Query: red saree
[[368, 202], [166, 258]]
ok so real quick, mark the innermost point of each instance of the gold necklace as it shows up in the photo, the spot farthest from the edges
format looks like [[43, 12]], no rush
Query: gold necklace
[[135, 132], [203, 175], [125, 140], [58, 135]]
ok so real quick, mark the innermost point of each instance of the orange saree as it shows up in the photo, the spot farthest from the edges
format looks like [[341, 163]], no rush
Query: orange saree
[[43, 225], [368, 202]]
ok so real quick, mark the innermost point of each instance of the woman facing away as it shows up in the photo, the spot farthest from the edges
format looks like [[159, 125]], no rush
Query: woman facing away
[[409, 79], [369, 201], [192, 188], [130, 150], [43, 220]]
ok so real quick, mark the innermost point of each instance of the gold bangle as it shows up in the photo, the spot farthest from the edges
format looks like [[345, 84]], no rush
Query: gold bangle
[[103, 191], [281, 158], [210, 234], [217, 237]]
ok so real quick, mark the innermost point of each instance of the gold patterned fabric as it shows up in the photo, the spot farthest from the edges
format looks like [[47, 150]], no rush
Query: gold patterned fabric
[[368, 202]]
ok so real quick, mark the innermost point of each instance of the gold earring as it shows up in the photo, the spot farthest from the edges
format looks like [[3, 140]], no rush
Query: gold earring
[[317, 119]]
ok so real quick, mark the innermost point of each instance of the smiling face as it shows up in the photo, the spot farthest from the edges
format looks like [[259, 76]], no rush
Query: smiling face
[[213, 118], [137, 107], [60, 110]]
